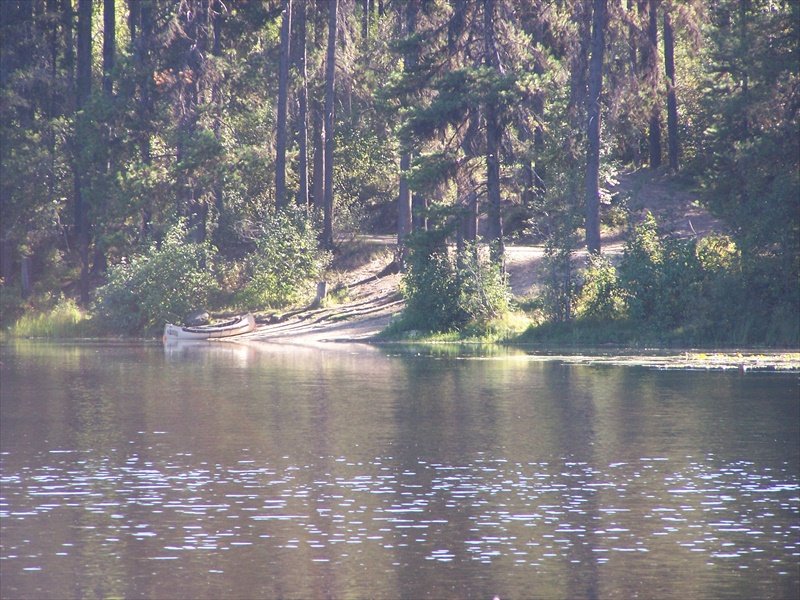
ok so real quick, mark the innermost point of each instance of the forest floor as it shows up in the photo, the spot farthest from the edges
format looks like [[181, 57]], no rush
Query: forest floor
[[363, 300]]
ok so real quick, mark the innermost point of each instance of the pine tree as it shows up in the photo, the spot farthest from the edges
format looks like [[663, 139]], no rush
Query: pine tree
[[595, 86], [283, 99], [330, 74]]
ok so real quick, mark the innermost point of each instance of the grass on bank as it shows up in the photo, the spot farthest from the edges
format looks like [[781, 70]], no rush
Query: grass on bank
[[501, 329], [65, 320]]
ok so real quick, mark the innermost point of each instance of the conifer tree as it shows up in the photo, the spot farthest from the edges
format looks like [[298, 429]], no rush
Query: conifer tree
[[595, 87], [330, 80], [283, 99]]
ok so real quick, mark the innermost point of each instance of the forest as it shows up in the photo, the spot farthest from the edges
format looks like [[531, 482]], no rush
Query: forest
[[162, 155]]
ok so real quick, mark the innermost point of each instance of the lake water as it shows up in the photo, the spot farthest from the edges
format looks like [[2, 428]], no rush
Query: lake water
[[261, 471]]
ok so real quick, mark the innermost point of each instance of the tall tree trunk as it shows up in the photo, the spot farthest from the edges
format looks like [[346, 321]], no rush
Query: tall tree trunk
[[494, 134], [580, 60], [302, 100], [634, 10], [69, 49], [537, 174], [109, 46], [193, 204], [104, 167], [141, 28], [283, 95], [467, 192], [318, 121], [654, 134], [404, 200], [318, 179], [455, 27], [83, 90], [134, 16], [419, 210], [216, 99], [366, 9], [673, 143], [83, 87], [599, 19], [633, 44], [330, 72]]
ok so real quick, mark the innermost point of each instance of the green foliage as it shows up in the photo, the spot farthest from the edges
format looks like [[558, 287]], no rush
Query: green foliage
[[287, 260], [65, 319], [160, 285], [558, 289], [658, 276], [483, 288], [750, 167], [683, 291], [430, 286], [363, 175], [559, 223], [447, 290], [601, 297]]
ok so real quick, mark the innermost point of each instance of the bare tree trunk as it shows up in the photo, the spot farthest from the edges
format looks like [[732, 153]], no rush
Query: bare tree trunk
[[109, 46], [534, 170], [25, 275], [318, 119], [83, 89], [404, 200], [302, 130], [216, 99], [580, 61], [69, 48], [599, 20], [471, 232], [318, 181], [494, 134], [654, 135], [366, 9], [633, 44], [192, 205], [419, 209], [330, 72], [634, 9], [283, 95], [104, 155], [134, 16], [140, 23], [745, 76], [673, 143]]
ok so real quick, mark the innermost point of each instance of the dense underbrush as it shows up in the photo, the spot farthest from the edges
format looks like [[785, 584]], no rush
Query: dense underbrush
[[671, 291], [174, 276]]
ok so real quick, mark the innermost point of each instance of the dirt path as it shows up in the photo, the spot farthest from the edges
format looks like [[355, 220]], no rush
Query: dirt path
[[371, 300]]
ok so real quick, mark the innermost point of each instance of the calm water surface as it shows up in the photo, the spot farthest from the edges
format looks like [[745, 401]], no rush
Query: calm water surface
[[233, 471]]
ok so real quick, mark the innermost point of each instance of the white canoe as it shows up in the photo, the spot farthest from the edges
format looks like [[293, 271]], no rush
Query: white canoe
[[239, 325]]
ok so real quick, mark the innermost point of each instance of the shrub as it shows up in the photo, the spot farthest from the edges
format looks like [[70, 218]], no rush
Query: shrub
[[695, 291], [447, 290], [429, 285], [286, 262], [659, 276], [161, 285], [640, 270], [601, 297], [483, 288]]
